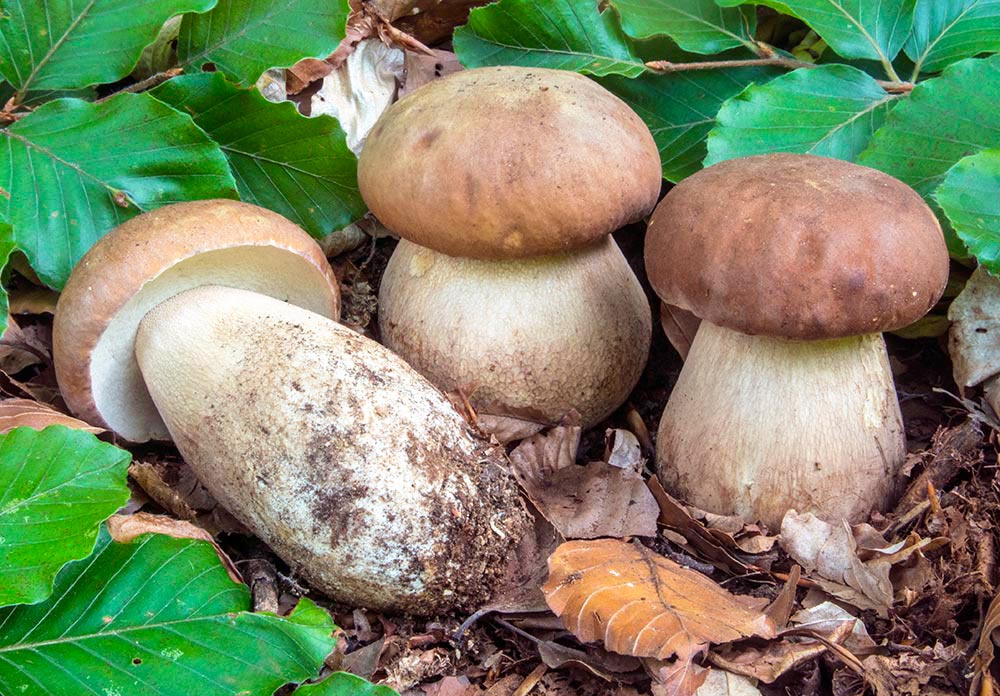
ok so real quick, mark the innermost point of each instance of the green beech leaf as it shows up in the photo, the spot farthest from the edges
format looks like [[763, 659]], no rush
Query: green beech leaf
[[699, 26], [243, 38], [969, 197], [61, 44], [831, 110], [300, 167], [6, 248], [156, 616], [344, 684], [680, 109], [942, 121], [56, 487], [75, 170], [562, 34], [873, 29], [945, 31]]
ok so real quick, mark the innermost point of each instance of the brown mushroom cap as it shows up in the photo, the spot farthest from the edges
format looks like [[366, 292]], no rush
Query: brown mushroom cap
[[797, 246], [151, 258], [509, 162]]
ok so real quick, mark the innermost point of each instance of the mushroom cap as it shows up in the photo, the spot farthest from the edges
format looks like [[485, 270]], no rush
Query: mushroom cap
[[797, 246], [151, 258], [509, 162], [531, 338]]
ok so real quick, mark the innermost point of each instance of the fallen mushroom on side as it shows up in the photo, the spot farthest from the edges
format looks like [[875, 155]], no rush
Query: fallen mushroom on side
[[795, 264], [213, 321], [505, 184]]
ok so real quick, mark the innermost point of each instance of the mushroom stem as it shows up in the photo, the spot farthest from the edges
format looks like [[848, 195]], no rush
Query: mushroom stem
[[536, 337], [757, 426], [393, 502]]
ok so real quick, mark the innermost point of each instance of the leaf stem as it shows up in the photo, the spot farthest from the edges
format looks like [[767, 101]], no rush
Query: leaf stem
[[767, 57], [143, 85]]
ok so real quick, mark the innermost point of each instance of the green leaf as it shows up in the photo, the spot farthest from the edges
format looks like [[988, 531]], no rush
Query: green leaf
[[945, 31], [680, 109], [942, 121], [344, 684], [968, 196], [699, 26], [873, 29], [831, 110], [6, 248], [56, 487], [157, 616], [562, 34], [75, 170], [300, 167], [60, 44], [243, 38]]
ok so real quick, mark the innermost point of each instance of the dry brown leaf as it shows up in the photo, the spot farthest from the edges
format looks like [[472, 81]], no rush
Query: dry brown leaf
[[507, 429], [15, 413], [832, 552], [176, 489], [622, 450], [780, 610], [974, 337], [675, 517], [640, 603], [125, 528], [827, 617], [767, 663], [18, 349], [33, 300], [722, 683], [521, 590], [680, 327], [983, 659], [608, 666], [677, 678], [584, 502], [419, 69]]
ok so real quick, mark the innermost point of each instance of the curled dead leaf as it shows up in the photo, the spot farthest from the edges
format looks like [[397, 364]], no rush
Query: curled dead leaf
[[16, 413], [125, 528], [640, 603]]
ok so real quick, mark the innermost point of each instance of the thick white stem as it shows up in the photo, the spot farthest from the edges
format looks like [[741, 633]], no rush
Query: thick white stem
[[349, 464], [756, 426]]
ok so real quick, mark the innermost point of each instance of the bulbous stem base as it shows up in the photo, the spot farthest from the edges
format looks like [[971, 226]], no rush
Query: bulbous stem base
[[756, 426]]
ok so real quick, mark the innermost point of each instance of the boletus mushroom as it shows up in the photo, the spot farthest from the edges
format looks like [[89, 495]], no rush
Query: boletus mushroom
[[505, 184], [795, 264], [213, 322]]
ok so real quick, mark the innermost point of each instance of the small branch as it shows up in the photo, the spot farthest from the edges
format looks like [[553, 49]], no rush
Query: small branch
[[147, 84], [767, 57]]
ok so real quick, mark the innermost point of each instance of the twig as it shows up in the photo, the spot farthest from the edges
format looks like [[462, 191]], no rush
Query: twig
[[767, 58], [143, 85]]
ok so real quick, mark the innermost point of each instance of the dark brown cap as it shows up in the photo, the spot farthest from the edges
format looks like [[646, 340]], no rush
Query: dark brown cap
[[509, 162], [797, 246]]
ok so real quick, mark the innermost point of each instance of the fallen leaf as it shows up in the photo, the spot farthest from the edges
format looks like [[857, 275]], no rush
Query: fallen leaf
[[680, 327], [769, 662], [622, 450], [832, 552], [974, 338], [607, 666], [675, 517], [176, 489], [16, 413], [357, 92], [722, 683], [952, 450], [19, 350], [419, 69], [640, 603], [584, 502], [677, 678], [780, 610], [125, 528], [33, 300], [827, 618], [983, 659]]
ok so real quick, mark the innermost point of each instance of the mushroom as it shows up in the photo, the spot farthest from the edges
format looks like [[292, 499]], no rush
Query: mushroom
[[795, 264], [213, 321], [505, 184]]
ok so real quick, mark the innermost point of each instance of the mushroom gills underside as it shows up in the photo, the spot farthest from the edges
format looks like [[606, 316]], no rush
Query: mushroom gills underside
[[349, 464], [756, 426]]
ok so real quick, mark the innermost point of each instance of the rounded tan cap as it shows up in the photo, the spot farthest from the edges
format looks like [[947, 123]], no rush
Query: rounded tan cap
[[151, 258], [509, 162], [797, 246]]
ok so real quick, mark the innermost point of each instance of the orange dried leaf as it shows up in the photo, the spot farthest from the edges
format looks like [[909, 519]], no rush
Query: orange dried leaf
[[640, 603], [16, 413]]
